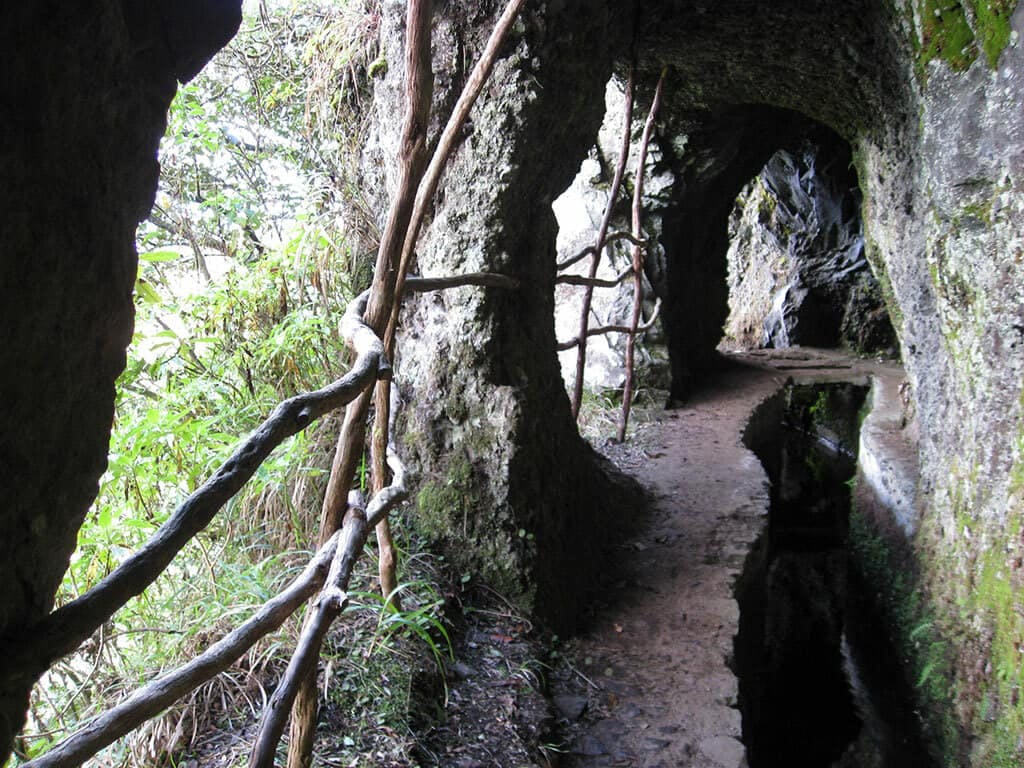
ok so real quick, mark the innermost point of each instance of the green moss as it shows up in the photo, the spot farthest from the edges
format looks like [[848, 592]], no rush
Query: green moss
[[378, 67], [948, 32], [914, 631], [452, 513], [945, 34], [992, 24], [445, 506]]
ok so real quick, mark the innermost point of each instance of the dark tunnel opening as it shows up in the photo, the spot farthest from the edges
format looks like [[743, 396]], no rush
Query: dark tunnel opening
[[764, 243]]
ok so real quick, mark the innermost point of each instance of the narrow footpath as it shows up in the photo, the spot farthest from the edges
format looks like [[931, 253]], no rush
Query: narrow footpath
[[649, 684]]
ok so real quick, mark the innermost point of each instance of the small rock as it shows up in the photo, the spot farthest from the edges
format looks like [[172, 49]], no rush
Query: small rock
[[589, 746], [570, 707], [460, 671], [629, 710], [654, 745]]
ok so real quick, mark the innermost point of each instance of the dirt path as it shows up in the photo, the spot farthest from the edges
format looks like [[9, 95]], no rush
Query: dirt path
[[652, 674]]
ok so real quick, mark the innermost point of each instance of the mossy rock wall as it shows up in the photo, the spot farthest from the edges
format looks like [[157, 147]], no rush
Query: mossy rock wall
[[507, 487]]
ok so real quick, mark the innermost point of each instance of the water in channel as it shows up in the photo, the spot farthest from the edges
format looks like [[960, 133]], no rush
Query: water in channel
[[808, 697]]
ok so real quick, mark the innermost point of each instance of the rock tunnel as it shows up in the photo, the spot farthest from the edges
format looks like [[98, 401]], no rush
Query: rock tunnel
[[936, 139]]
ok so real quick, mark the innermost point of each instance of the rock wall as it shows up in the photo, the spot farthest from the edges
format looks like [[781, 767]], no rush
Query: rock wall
[[929, 98], [505, 483], [949, 229], [927, 93], [797, 271], [85, 89]]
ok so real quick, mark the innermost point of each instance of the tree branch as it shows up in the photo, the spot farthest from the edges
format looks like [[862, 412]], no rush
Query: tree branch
[[590, 250], [620, 170], [381, 309], [638, 255], [446, 145], [66, 628], [606, 329], [328, 606], [150, 700], [593, 282], [485, 279]]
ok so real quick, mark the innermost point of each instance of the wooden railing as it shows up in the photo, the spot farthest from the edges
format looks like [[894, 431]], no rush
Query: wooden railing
[[369, 328], [636, 269]]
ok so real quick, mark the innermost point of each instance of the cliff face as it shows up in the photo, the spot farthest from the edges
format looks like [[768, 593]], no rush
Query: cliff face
[[85, 89], [927, 95], [959, 287]]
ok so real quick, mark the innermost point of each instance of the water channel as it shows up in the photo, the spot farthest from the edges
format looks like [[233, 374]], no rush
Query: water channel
[[818, 687]]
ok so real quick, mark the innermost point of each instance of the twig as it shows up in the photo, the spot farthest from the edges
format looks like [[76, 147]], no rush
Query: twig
[[594, 282], [606, 329], [381, 310], [620, 170], [157, 695], [583, 677], [638, 256], [328, 605], [446, 145], [485, 279], [590, 250]]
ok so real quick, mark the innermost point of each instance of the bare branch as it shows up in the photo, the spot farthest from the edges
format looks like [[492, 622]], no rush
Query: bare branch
[[638, 255], [328, 606], [446, 144], [329, 603], [613, 194], [485, 279], [606, 329], [593, 282], [150, 700], [590, 250], [390, 497], [379, 316]]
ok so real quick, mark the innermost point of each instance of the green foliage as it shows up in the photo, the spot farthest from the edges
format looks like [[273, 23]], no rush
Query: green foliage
[[992, 21], [955, 31], [244, 273], [914, 631], [420, 618], [945, 34]]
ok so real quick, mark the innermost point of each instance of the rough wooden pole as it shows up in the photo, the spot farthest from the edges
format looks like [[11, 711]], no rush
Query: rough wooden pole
[[155, 697], [602, 232], [387, 564], [412, 160], [638, 260]]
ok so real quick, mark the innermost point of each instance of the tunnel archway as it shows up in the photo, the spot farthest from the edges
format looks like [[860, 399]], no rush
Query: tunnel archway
[[743, 80]]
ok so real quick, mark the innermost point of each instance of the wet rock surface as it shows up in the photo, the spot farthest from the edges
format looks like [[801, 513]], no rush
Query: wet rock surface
[[797, 270]]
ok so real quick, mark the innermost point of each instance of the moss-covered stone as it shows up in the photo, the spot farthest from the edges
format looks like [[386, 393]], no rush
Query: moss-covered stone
[[992, 26], [895, 586], [452, 512], [945, 34]]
